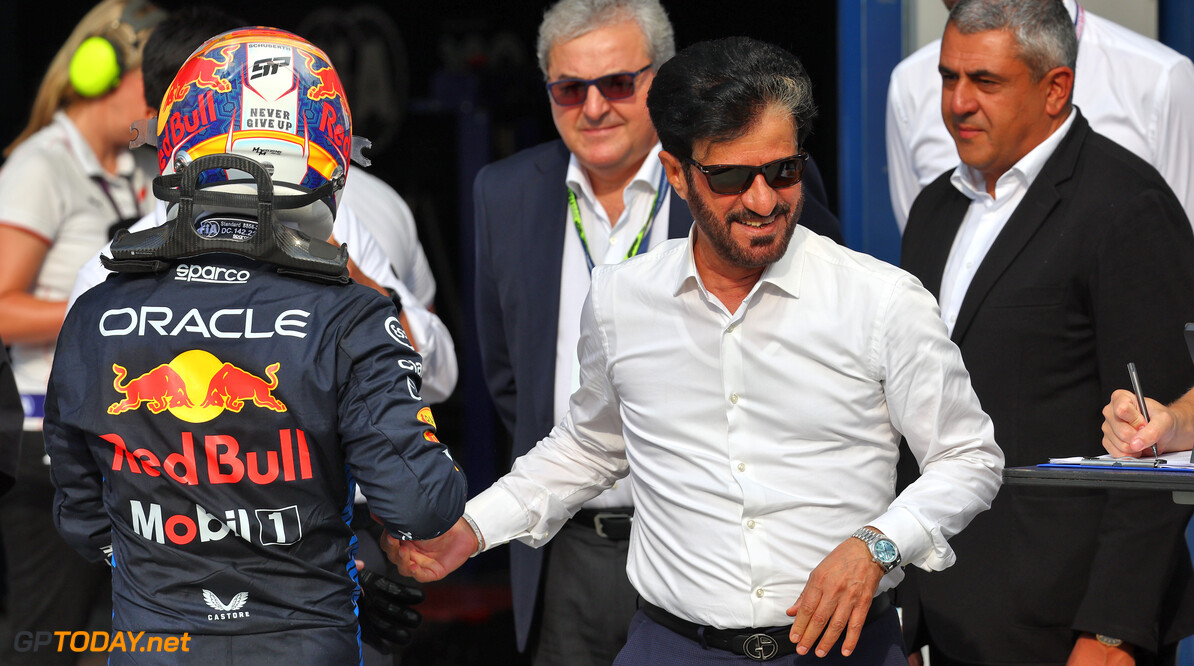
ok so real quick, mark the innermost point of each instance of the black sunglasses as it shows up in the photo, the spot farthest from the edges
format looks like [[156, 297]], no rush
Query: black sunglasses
[[570, 92], [736, 178]]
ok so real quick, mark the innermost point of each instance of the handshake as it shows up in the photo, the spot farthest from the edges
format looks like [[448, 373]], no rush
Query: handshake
[[385, 614], [433, 559]]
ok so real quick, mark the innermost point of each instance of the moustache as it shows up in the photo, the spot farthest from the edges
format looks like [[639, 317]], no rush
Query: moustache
[[779, 213]]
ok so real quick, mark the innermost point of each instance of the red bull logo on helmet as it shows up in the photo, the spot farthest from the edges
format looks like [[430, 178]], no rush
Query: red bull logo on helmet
[[170, 387], [188, 112], [329, 84], [201, 71]]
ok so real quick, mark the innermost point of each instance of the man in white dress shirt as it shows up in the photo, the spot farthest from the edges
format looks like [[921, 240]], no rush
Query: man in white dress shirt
[[756, 378], [544, 218], [1134, 90]]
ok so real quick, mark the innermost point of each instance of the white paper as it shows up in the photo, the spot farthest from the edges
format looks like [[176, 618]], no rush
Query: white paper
[[1173, 460]]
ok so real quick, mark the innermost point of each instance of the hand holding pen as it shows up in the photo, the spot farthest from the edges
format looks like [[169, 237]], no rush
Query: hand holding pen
[[1140, 404], [1129, 430]]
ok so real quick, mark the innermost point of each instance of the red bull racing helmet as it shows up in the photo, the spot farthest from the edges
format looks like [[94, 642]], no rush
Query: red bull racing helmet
[[270, 96]]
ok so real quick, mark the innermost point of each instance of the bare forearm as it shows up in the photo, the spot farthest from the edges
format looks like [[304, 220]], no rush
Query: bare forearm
[[24, 318]]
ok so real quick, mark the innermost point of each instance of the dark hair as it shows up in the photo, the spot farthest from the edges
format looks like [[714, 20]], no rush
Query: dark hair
[[174, 40], [715, 90]]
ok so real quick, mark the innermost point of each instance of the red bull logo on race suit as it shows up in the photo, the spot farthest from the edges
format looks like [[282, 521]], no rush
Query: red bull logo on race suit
[[223, 386], [161, 387], [231, 387]]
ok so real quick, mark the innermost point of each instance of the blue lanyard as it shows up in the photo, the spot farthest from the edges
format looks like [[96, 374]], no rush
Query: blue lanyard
[[639, 246]]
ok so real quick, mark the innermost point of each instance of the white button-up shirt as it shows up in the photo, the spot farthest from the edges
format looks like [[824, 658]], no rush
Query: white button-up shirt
[[760, 439]]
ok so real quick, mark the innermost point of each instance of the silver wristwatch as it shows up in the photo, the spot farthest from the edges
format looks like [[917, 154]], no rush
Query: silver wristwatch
[[883, 550]]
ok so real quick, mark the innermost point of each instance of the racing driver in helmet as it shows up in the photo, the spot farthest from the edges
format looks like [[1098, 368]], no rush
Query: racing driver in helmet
[[214, 404]]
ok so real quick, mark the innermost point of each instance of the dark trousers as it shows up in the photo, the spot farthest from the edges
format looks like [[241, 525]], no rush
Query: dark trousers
[[587, 600], [653, 645], [50, 586]]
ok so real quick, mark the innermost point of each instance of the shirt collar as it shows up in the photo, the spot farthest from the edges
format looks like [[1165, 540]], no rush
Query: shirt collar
[[970, 182], [785, 273], [83, 153], [645, 180]]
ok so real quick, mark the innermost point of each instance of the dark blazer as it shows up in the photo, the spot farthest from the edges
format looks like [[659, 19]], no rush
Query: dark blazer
[[1094, 269], [521, 203]]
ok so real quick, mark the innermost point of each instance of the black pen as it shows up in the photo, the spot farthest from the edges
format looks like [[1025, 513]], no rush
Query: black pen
[[1140, 398]]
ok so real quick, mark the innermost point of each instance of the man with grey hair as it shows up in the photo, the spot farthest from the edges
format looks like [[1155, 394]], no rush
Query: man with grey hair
[[1058, 257], [1134, 90], [544, 219]]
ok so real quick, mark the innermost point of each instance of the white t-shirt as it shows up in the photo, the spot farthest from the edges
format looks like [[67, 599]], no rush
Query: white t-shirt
[[53, 187], [1132, 89]]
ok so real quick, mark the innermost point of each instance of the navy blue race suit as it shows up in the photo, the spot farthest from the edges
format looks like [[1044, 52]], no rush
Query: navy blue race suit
[[207, 424]]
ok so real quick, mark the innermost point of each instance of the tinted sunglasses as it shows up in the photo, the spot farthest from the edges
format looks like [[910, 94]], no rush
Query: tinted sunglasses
[[570, 92], [736, 178]]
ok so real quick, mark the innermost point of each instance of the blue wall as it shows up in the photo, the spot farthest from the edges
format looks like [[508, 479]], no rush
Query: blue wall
[[869, 47]]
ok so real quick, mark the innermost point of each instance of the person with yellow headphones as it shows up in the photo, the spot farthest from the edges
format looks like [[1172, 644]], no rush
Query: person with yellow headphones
[[69, 182]]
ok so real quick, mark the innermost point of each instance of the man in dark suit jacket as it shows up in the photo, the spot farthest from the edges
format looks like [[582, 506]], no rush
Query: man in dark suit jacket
[[1058, 257], [530, 210]]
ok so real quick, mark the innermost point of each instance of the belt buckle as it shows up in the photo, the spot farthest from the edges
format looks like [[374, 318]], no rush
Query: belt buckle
[[599, 521], [760, 647]]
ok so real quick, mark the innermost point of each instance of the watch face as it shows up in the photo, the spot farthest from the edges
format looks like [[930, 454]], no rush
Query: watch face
[[886, 551]]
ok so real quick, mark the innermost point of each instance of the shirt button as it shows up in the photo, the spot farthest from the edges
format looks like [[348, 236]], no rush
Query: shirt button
[[730, 328], [750, 524], [613, 240], [734, 398], [741, 467], [759, 593]]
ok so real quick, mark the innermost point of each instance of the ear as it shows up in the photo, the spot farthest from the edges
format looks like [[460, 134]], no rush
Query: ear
[[674, 169], [1058, 83]]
